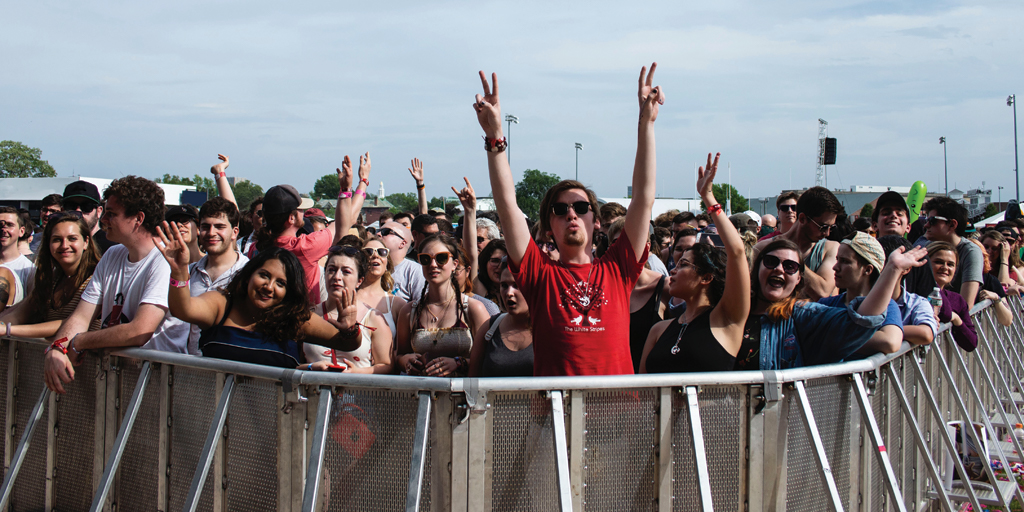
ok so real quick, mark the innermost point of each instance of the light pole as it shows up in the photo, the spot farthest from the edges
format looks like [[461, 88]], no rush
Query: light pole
[[509, 118], [579, 147], [1000, 187], [1011, 101], [945, 168]]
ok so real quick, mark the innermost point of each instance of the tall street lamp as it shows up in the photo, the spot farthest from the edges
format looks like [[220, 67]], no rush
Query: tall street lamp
[[509, 118], [579, 147], [1000, 187], [945, 168], [1011, 101]]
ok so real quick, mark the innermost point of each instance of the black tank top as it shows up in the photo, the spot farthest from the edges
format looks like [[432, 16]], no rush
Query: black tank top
[[697, 349], [640, 323], [499, 361]]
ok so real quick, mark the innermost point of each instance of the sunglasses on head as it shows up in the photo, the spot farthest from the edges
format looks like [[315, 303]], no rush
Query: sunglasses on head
[[388, 231], [1008, 234], [86, 208], [580, 207], [787, 208], [441, 258], [381, 251], [347, 250], [788, 266]]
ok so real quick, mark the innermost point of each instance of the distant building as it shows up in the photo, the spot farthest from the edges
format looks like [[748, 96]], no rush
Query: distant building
[[28, 193]]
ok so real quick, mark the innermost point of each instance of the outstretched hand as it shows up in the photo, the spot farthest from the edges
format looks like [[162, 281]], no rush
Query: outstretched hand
[[364, 166], [488, 108], [345, 174], [348, 313], [651, 97], [174, 249], [466, 196], [221, 167], [905, 259], [416, 170], [706, 180]]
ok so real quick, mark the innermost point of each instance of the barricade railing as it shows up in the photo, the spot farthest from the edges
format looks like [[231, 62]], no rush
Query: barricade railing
[[145, 430]]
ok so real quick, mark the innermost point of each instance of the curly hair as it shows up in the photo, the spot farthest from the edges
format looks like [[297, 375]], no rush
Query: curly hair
[[136, 195], [710, 260], [387, 281], [283, 321], [49, 273], [481, 260], [453, 247], [782, 310]]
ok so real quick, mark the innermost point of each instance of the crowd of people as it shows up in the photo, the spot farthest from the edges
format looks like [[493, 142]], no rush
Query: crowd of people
[[584, 289]]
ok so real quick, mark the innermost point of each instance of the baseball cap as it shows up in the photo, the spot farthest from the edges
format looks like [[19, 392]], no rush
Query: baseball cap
[[183, 210], [891, 199], [314, 212], [82, 190], [868, 248], [284, 199], [754, 216]]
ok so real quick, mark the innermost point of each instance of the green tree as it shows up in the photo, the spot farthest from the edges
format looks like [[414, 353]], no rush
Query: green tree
[[724, 191], [201, 183], [326, 187], [990, 210], [867, 210], [531, 189], [403, 202], [245, 193], [20, 161]]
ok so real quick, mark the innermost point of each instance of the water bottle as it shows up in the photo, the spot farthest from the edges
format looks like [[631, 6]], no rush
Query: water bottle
[[935, 298], [1018, 432]]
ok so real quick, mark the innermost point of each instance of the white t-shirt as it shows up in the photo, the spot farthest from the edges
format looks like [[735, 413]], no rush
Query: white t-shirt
[[409, 280], [26, 271], [199, 282], [120, 287]]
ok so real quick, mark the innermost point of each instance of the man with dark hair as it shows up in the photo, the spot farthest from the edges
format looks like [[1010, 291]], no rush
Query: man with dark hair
[[683, 220], [49, 206], [423, 226], [891, 215], [128, 290], [579, 303], [404, 218], [919, 323], [703, 221], [247, 244], [786, 206], [816, 213], [85, 197], [186, 217], [946, 221], [12, 229], [218, 233], [610, 212]]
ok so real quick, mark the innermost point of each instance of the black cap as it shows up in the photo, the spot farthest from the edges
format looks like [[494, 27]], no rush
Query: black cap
[[889, 198], [83, 190], [184, 210], [284, 199]]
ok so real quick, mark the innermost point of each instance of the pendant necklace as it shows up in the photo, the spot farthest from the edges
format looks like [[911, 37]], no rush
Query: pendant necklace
[[675, 348]]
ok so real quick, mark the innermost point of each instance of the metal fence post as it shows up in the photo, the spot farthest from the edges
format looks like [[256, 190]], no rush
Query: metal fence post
[[419, 453], [836, 503], [561, 452], [210, 446], [26, 440], [700, 455], [876, 438], [314, 474], [125, 430]]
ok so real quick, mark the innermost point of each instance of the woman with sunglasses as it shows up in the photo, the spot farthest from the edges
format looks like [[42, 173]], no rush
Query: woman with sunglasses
[[466, 285], [713, 283], [376, 287], [487, 278], [993, 290], [346, 268], [63, 269], [1005, 264], [783, 331], [469, 253], [435, 333], [503, 347], [942, 258]]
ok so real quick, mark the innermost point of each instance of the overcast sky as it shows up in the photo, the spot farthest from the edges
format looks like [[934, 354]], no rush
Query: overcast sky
[[107, 89]]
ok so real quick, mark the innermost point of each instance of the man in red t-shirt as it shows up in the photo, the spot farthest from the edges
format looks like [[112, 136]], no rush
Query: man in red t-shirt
[[579, 305]]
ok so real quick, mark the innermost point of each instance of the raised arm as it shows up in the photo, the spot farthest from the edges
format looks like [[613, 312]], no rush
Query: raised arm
[[513, 223], [344, 217], [341, 334], [223, 187], [203, 310], [734, 306], [421, 188], [468, 199], [359, 194], [638, 215], [900, 260]]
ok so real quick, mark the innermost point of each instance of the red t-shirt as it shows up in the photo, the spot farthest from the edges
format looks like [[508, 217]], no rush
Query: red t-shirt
[[580, 313], [309, 249]]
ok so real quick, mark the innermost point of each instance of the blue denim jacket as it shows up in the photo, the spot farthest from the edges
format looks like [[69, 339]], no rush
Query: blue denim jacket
[[815, 334]]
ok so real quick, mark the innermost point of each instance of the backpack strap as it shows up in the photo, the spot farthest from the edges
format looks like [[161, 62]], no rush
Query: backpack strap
[[494, 326]]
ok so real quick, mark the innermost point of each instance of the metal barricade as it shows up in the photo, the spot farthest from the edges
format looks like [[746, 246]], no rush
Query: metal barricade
[[144, 430]]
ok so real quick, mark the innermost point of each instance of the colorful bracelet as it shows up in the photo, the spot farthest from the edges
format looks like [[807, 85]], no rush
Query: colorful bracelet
[[222, 174], [495, 145], [359, 193], [366, 181], [715, 209], [59, 345], [179, 284], [345, 194], [421, 186]]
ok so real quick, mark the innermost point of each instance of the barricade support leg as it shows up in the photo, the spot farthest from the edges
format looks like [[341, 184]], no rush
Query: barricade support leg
[[876, 439], [835, 503], [125, 430], [316, 454], [195, 490], [23, 445], [561, 452], [699, 453], [419, 453]]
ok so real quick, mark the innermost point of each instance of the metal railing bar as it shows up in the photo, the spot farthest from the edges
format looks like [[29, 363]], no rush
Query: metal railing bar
[[824, 469], [876, 437], [316, 453], [984, 344], [561, 452], [419, 453], [23, 446], [220, 415], [699, 453], [1015, 364], [124, 431]]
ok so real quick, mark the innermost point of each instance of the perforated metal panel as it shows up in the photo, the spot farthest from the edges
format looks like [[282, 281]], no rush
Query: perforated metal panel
[[5, 355], [723, 417], [523, 453], [877, 400], [252, 446], [29, 491], [619, 457], [76, 430], [193, 402], [908, 450], [140, 473], [369, 448], [685, 488]]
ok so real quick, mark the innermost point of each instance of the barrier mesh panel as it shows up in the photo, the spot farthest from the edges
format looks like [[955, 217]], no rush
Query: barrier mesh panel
[[523, 453], [830, 400], [723, 418], [5, 354], [193, 402], [76, 431], [140, 474], [907, 444], [894, 433], [369, 449], [252, 446], [29, 493], [877, 400], [619, 457]]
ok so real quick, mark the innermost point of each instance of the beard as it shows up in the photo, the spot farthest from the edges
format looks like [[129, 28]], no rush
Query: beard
[[574, 238]]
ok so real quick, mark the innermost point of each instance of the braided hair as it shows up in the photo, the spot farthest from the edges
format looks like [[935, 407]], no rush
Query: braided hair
[[453, 247]]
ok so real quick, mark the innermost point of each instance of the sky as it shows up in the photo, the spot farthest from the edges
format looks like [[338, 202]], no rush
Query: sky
[[108, 89]]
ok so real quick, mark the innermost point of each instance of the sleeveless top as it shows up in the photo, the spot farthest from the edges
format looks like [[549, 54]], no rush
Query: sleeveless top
[[640, 323], [499, 360], [53, 313], [361, 357], [237, 344], [445, 341], [698, 350], [389, 316]]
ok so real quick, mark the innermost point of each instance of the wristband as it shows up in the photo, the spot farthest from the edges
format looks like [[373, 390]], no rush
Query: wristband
[[59, 345], [71, 346], [222, 174], [420, 186], [364, 180], [715, 209], [345, 194], [359, 193], [310, 367], [8, 324], [495, 145], [179, 284]]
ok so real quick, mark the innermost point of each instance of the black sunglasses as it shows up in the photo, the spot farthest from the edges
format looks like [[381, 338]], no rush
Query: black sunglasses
[[788, 266], [86, 208], [259, 213], [580, 207], [481, 240], [381, 251], [347, 250], [824, 228], [787, 208], [388, 231], [441, 258]]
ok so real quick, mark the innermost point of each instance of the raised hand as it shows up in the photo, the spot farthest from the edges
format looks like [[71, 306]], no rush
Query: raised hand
[[221, 167], [348, 312], [651, 97], [174, 249], [345, 174], [488, 108], [466, 196], [364, 166], [706, 178], [416, 170], [905, 259], [1004, 252]]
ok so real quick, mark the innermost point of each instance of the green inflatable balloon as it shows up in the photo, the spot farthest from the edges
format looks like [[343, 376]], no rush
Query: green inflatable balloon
[[915, 199]]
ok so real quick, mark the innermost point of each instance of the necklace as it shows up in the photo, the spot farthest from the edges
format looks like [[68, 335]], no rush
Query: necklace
[[444, 309], [675, 348]]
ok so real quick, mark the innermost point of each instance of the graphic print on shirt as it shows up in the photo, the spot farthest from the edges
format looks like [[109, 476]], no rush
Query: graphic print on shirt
[[115, 317], [583, 301]]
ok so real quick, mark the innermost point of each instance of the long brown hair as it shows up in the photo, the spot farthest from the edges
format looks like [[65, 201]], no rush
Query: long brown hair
[[783, 309], [283, 321], [453, 247], [49, 273], [387, 281]]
